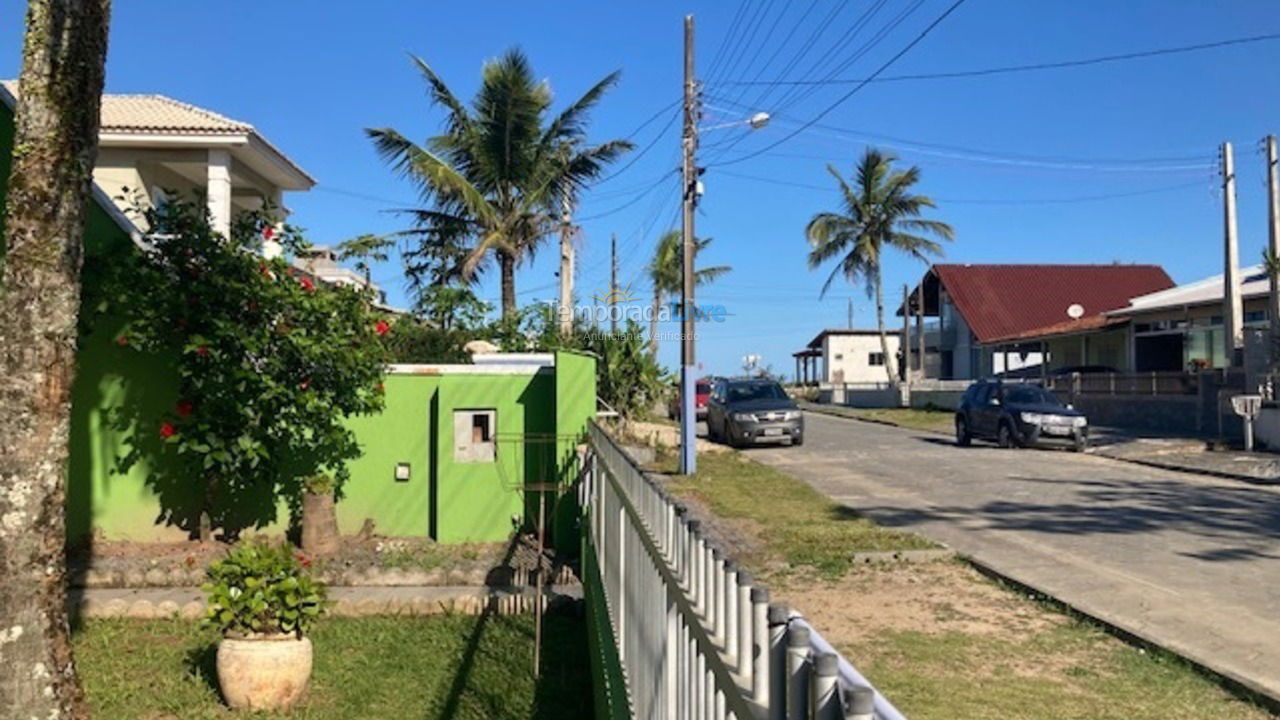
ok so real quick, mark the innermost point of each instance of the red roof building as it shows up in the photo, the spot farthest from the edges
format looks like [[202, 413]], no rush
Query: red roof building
[[984, 312]]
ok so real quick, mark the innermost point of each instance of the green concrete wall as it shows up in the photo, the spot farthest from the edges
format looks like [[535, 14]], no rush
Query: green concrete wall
[[122, 485]]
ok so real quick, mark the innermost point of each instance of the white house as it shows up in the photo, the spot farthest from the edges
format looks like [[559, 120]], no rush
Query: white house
[[846, 356]]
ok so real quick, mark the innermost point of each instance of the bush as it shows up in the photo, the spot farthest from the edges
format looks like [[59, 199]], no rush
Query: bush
[[262, 588]]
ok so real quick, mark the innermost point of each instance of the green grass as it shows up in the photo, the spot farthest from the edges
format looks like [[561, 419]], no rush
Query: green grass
[[913, 418], [797, 524], [449, 667], [1065, 672]]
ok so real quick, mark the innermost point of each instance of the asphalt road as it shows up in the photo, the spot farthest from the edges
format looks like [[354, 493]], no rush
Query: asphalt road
[[1187, 561]]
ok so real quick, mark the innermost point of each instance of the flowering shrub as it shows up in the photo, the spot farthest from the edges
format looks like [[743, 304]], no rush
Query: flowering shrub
[[261, 588], [268, 362]]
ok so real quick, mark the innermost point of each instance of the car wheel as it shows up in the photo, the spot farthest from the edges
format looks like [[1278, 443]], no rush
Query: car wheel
[[712, 435], [797, 440], [963, 438], [1080, 445], [1004, 437]]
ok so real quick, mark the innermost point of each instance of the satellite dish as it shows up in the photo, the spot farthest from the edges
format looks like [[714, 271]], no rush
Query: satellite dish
[[1075, 311]]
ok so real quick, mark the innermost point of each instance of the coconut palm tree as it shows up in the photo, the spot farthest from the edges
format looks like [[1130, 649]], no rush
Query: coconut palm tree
[[665, 274], [501, 169], [879, 211]]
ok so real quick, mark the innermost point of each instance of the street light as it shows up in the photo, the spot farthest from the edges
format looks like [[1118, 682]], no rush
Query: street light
[[692, 188]]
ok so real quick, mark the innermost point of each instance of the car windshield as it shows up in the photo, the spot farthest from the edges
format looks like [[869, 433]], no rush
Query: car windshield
[[755, 391], [1030, 395]]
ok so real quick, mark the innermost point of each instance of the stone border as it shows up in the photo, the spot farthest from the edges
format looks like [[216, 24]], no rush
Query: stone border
[[372, 602], [341, 577]]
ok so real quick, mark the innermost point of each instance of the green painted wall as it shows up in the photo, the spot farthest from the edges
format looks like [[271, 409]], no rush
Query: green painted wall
[[122, 485]]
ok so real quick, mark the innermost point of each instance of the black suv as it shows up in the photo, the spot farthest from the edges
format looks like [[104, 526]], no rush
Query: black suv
[[1016, 415], [754, 410]]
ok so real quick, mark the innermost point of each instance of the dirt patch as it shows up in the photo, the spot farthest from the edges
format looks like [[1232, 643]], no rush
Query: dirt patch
[[935, 597]]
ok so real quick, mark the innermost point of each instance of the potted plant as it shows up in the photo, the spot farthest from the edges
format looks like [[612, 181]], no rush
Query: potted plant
[[264, 601]]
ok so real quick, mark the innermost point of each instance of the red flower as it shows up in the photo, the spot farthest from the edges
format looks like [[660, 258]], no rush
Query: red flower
[[185, 408], [167, 430], [382, 328], [268, 232], [303, 560], [306, 284], [202, 351], [122, 340]]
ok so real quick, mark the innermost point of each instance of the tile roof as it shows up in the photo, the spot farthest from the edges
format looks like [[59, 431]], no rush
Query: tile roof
[[158, 114], [1002, 301], [1066, 327]]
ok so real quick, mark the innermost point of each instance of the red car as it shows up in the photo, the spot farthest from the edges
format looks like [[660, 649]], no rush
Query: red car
[[702, 391]]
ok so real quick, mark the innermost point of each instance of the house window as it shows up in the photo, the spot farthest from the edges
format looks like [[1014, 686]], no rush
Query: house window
[[839, 356], [473, 435], [875, 358]]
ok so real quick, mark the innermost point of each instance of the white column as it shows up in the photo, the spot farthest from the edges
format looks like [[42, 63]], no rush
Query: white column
[[219, 190]]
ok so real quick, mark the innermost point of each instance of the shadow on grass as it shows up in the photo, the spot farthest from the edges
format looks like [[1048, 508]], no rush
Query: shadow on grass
[[202, 663]]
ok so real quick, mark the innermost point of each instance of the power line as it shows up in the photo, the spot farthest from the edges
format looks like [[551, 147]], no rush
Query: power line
[[1015, 68], [970, 201], [915, 41]]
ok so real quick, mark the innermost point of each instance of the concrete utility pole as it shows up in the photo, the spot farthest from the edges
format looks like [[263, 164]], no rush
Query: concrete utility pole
[[1273, 237], [1232, 307], [613, 280], [566, 268], [689, 174], [850, 313], [905, 343], [920, 325]]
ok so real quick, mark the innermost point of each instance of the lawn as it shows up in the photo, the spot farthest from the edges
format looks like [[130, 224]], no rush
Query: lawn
[[940, 640], [805, 528], [931, 419], [407, 668]]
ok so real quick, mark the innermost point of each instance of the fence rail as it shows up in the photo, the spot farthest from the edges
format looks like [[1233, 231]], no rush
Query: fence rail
[[695, 636], [1147, 383]]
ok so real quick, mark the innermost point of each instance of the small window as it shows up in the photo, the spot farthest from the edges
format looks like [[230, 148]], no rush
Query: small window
[[839, 356], [875, 358], [473, 435]]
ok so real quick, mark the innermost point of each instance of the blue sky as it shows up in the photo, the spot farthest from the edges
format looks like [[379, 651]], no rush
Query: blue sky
[[1012, 160]]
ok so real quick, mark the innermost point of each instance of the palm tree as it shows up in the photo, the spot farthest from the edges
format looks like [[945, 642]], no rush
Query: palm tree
[[498, 174], [665, 274], [879, 211], [365, 249]]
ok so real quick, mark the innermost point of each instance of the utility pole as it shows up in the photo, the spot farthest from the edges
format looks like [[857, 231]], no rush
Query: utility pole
[[1232, 308], [920, 324], [689, 178], [1273, 242], [850, 313], [566, 267], [613, 281], [905, 342]]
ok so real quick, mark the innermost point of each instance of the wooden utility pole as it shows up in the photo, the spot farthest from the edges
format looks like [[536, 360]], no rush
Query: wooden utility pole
[[1273, 242], [1232, 308], [689, 180], [56, 142], [613, 281], [566, 267]]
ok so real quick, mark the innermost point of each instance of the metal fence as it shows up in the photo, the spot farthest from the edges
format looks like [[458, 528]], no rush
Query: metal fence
[[1146, 383], [695, 636]]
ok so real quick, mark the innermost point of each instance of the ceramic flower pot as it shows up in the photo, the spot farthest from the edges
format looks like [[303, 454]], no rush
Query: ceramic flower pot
[[266, 672]]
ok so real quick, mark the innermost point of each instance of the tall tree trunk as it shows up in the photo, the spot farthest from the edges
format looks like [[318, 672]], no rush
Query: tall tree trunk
[[884, 339], [507, 264], [54, 150], [653, 322]]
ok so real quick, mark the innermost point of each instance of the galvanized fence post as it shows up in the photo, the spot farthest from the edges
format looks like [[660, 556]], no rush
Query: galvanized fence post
[[797, 672]]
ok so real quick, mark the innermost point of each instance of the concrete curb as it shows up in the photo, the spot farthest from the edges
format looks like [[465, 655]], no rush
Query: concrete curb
[[1251, 479], [188, 603], [1240, 686]]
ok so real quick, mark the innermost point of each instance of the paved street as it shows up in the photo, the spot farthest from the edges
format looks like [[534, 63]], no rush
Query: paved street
[[1187, 561]]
